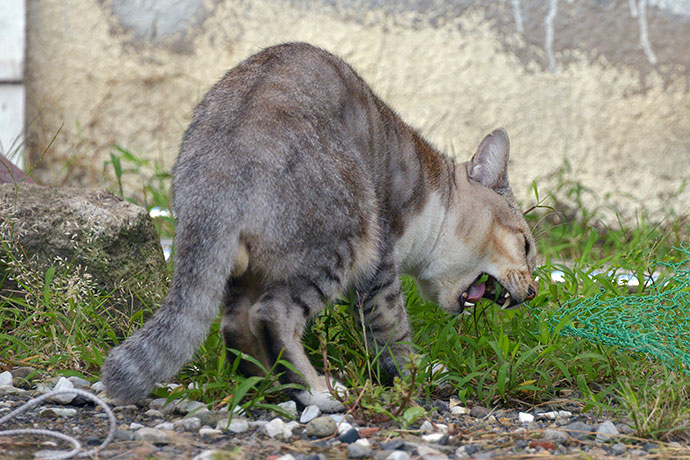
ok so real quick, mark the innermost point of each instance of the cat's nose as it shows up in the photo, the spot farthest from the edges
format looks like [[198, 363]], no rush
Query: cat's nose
[[531, 292]]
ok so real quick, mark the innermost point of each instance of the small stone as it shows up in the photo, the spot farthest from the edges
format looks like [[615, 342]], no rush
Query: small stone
[[79, 382], [125, 408], [208, 432], [344, 427], [167, 426], [429, 427], [186, 407], [479, 412], [368, 431], [65, 398], [276, 428], [606, 431], [459, 410], [57, 412], [135, 426], [525, 418], [310, 413], [556, 436], [237, 425], [191, 424], [554, 415], [429, 453], [349, 436], [650, 446], [286, 457], [359, 449], [153, 435], [289, 407], [433, 437], [618, 448], [398, 455], [97, 387], [124, 435], [578, 430], [6, 378], [22, 372], [321, 427], [10, 390], [461, 452], [162, 405], [395, 444], [153, 413], [337, 418]]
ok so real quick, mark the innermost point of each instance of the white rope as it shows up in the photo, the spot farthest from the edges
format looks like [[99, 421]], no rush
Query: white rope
[[548, 39], [56, 455]]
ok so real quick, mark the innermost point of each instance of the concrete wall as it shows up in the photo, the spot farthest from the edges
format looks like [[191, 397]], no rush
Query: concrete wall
[[603, 84]]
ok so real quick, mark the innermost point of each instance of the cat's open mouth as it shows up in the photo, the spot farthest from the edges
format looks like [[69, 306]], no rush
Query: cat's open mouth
[[486, 287]]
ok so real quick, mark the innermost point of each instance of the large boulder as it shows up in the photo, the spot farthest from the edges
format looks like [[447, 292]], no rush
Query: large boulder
[[91, 235]]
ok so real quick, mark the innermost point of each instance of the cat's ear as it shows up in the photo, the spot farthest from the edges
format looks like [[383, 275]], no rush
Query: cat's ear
[[489, 166]]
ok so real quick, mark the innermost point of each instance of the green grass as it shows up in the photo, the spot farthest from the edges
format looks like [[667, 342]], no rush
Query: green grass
[[493, 357]]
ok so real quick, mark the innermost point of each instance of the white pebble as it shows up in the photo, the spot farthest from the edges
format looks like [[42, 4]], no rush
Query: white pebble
[[310, 413], [459, 410], [398, 455], [97, 387], [168, 426], [290, 407], [276, 428], [606, 431], [364, 442], [432, 437], [525, 418], [66, 398], [6, 378], [344, 427], [286, 457], [60, 412], [205, 431], [135, 426], [79, 382], [553, 415], [189, 424]]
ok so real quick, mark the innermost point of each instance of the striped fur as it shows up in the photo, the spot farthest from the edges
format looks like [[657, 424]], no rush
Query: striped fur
[[295, 184]]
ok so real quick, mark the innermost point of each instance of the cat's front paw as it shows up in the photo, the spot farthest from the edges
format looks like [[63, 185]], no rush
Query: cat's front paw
[[321, 397]]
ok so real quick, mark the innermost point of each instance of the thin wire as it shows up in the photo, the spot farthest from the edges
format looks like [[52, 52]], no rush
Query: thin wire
[[57, 455]]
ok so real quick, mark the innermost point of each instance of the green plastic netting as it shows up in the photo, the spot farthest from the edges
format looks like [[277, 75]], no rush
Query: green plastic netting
[[656, 324]]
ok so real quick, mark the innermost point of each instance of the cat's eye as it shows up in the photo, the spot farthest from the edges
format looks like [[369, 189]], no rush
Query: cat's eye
[[527, 245]]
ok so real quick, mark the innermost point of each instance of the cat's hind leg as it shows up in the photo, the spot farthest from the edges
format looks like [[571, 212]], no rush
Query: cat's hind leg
[[277, 320]]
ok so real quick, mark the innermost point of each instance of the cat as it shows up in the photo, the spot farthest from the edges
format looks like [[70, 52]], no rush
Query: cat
[[295, 184]]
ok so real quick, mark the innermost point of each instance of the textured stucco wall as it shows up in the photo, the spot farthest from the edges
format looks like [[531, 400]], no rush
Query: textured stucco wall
[[603, 84]]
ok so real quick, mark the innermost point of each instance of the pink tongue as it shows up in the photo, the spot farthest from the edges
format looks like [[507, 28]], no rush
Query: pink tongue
[[475, 292]]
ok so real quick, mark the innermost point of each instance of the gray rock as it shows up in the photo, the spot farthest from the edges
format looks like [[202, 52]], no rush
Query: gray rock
[[10, 390], [237, 425], [65, 398], [126, 408], [286, 457], [359, 449], [309, 413], [606, 432], [618, 448], [208, 432], [6, 378], [278, 429], [429, 453], [55, 412], [579, 430], [124, 435], [153, 435], [398, 455], [153, 413], [479, 411], [97, 387], [321, 427], [97, 233], [555, 436], [395, 444], [289, 407], [191, 424], [79, 382], [166, 426], [186, 406], [161, 405], [349, 436]]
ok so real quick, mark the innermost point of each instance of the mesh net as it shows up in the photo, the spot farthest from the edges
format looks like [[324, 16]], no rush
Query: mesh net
[[656, 324]]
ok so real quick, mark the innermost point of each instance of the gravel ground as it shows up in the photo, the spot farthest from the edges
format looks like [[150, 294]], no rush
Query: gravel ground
[[154, 430]]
